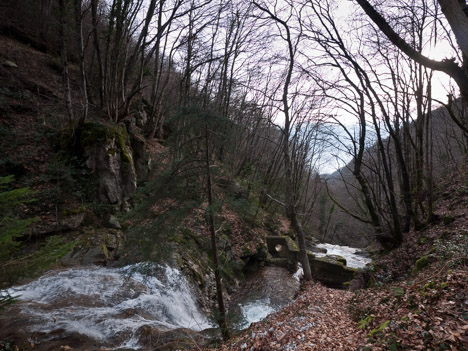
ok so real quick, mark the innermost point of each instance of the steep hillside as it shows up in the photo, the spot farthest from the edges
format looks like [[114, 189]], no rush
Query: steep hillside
[[104, 194]]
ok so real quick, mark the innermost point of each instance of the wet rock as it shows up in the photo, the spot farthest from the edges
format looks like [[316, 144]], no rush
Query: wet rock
[[330, 272], [316, 249], [270, 287], [362, 253], [336, 258], [311, 245]]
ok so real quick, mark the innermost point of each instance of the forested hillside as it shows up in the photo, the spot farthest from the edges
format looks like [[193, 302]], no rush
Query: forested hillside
[[194, 134]]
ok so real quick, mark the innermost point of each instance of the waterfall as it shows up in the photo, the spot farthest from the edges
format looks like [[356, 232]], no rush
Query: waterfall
[[110, 304]]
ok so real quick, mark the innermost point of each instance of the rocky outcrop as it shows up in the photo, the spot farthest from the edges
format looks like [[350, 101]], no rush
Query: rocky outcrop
[[97, 247], [64, 224], [109, 156]]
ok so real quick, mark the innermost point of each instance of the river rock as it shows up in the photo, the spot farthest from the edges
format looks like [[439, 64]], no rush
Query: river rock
[[311, 245], [330, 272], [337, 258]]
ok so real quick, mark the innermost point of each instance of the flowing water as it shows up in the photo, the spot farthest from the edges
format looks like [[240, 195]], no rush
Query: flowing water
[[355, 258], [264, 292], [108, 305], [119, 308]]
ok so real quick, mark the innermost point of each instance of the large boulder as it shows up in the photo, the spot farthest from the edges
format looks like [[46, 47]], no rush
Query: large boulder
[[337, 258], [330, 272]]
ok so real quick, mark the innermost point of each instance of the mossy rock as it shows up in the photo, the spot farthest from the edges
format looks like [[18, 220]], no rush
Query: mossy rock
[[422, 263], [92, 133], [330, 272], [337, 258]]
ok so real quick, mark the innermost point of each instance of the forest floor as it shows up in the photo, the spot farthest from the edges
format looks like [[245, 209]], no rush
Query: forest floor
[[416, 296]]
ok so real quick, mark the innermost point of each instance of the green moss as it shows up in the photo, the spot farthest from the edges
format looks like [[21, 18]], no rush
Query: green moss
[[93, 133], [122, 139], [398, 292], [73, 211], [379, 329], [49, 253], [363, 323], [422, 263]]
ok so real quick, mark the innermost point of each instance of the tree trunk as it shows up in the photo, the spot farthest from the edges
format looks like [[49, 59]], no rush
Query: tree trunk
[[97, 48], [79, 38], [64, 53], [458, 21], [214, 250]]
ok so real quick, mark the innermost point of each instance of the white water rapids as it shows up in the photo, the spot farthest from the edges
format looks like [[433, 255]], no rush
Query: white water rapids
[[109, 304], [354, 257]]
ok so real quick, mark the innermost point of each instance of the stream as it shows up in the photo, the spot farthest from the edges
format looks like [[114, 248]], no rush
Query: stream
[[355, 258], [120, 308]]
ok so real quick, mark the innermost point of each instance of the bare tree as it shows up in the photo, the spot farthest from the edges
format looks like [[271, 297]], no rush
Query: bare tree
[[64, 57], [291, 196]]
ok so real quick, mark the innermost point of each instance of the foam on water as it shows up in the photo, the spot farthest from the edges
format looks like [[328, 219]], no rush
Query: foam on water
[[255, 311], [111, 303], [353, 260]]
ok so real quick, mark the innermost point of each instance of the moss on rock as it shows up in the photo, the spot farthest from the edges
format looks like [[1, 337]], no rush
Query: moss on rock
[[422, 263]]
